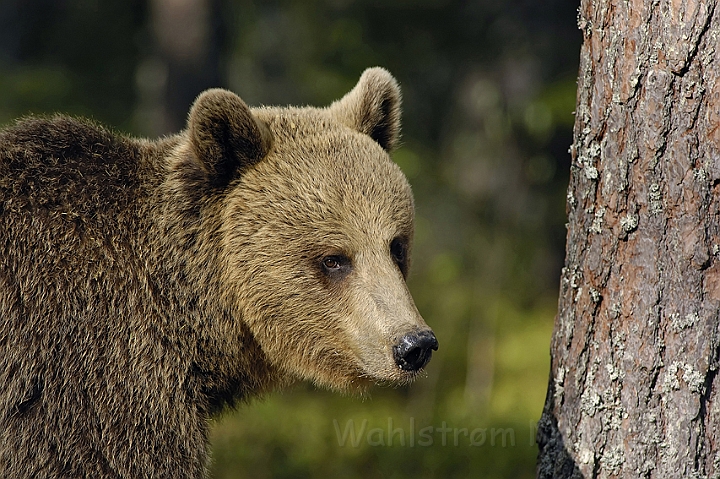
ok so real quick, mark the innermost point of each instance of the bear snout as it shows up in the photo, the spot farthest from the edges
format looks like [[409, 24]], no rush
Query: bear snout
[[413, 351]]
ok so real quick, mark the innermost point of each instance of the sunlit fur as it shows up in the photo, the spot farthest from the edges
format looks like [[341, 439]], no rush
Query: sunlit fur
[[144, 285]]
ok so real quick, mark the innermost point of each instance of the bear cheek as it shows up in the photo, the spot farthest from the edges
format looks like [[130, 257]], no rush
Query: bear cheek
[[305, 336]]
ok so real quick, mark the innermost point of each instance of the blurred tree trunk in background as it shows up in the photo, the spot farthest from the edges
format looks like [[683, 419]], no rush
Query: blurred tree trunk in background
[[633, 389], [189, 40]]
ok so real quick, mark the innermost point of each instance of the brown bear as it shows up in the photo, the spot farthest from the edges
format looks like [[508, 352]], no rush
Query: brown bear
[[145, 285]]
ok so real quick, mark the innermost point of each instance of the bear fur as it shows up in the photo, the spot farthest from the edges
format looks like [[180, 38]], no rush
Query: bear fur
[[145, 285]]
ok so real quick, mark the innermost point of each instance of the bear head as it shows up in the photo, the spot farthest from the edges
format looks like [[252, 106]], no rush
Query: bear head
[[315, 232]]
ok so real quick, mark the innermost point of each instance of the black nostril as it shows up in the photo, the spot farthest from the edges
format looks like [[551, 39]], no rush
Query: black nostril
[[413, 351]]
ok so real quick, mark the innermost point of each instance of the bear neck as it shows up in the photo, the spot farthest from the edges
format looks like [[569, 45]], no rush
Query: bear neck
[[227, 364]]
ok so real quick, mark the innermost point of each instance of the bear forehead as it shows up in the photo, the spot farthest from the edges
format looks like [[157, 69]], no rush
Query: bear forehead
[[319, 170], [310, 145], [294, 121], [315, 128]]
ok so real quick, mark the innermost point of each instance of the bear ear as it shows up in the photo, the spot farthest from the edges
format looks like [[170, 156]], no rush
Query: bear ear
[[372, 107], [225, 135]]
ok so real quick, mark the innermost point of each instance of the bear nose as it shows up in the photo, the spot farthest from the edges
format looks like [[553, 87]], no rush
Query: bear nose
[[413, 351]]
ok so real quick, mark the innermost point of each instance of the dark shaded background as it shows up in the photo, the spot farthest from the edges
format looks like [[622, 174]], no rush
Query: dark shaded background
[[489, 90]]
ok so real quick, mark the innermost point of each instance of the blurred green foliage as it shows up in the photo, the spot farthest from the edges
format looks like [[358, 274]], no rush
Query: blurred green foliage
[[489, 90], [488, 381]]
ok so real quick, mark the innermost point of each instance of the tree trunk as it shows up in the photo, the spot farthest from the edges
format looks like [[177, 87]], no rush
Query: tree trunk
[[633, 389], [185, 59]]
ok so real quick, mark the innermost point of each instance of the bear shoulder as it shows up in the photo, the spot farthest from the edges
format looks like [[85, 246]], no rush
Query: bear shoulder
[[46, 159], [37, 138]]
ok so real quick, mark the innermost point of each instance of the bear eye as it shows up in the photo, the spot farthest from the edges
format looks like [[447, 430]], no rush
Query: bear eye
[[331, 263], [398, 251], [335, 266]]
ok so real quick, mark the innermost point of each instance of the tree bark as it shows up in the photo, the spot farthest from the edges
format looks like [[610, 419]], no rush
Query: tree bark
[[633, 389]]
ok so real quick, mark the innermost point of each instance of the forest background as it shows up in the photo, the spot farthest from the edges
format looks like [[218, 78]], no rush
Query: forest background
[[488, 98]]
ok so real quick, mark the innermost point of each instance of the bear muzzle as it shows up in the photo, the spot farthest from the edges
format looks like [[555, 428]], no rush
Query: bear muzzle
[[413, 351]]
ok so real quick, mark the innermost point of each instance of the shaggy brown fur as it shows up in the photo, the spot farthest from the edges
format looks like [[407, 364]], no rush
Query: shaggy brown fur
[[146, 284]]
